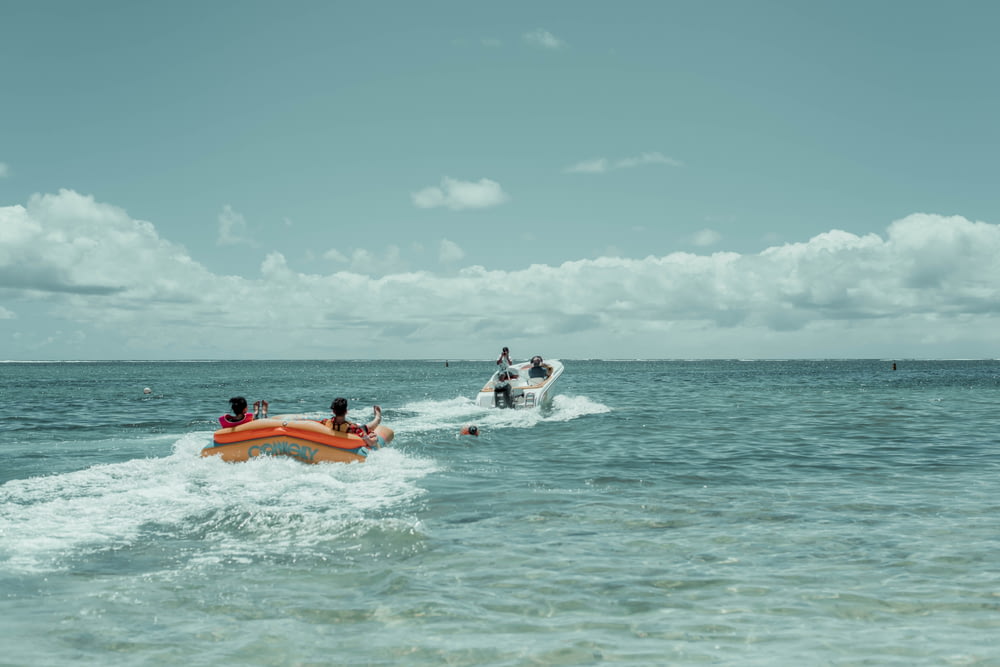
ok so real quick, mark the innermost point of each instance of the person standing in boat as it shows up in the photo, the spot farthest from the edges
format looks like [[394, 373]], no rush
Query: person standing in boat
[[364, 431], [502, 391], [507, 369], [238, 405]]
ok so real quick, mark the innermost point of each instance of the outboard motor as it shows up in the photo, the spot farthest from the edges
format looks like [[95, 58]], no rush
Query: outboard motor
[[502, 395]]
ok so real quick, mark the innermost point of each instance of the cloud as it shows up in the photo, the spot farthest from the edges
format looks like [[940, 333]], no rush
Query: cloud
[[706, 237], [596, 166], [388, 259], [646, 158], [232, 227], [601, 165], [544, 39], [929, 281], [69, 244], [335, 255], [4, 170], [458, 195], [450, 252]]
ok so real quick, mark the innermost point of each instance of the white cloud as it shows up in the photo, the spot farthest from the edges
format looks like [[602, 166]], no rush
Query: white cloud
[[72, 248], [601, 165], [450, 252], [458, 195], [7, 314], [930, 283], [544, 39], [389, 259], [4, 170], [596, 166], [706, 237], [232, 227], [611, 251], [647, 158], [335, 255]]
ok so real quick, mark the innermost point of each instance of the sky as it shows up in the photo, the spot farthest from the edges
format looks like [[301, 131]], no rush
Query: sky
[[435, 180]]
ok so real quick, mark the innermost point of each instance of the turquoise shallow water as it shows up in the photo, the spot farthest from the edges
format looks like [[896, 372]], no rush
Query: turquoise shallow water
[[657, 513]]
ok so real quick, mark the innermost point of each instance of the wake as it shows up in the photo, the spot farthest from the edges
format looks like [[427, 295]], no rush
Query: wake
[[451, 414]]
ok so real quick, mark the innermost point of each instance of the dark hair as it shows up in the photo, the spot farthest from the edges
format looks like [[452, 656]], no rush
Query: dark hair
[[238, 404], [339, 406], [473, 430]]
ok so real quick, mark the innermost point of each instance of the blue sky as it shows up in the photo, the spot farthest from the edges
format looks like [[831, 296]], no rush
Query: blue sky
[[435, 180]]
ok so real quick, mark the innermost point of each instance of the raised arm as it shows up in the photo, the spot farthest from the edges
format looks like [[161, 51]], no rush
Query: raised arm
[[377, 420]]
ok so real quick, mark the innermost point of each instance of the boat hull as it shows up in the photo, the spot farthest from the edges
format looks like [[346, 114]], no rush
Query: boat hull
[[525, 392], [304, 440]]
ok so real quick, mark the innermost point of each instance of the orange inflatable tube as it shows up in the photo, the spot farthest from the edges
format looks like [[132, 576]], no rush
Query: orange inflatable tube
[[305, 440]]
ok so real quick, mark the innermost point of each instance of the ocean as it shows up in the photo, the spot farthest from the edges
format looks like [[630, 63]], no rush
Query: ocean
[[720, 512]]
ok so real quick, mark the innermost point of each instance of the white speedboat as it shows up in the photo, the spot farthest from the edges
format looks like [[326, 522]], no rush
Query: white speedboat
[[521, 385]]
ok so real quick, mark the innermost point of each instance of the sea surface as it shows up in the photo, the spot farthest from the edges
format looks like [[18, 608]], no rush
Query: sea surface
[[656, 513]]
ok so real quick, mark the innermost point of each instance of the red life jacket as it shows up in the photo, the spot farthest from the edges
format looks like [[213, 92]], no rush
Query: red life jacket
[[227, 423], [347, 427]]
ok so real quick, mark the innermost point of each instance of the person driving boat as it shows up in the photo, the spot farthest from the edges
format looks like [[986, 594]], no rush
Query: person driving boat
[[538, 370]]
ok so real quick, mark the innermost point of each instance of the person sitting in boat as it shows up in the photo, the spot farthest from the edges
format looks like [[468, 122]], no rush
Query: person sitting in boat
[[538, 370], [364, 431], [238, 405]]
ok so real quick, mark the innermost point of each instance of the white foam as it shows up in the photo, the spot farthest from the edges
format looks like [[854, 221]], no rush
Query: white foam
[[45, 521], [430, 416]]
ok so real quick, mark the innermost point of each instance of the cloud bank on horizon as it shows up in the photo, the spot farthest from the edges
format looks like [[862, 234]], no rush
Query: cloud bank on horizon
[[99, 281]]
